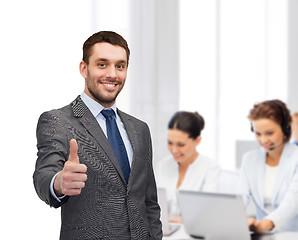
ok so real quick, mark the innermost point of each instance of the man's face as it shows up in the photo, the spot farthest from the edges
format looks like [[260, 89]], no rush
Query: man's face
[[105, 74]]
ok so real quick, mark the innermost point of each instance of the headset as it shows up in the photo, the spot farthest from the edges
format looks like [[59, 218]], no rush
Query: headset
[[286, 128]]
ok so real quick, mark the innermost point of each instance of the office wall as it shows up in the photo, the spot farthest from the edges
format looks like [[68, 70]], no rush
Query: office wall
[[154, 81], [231, 60], [40, 51]]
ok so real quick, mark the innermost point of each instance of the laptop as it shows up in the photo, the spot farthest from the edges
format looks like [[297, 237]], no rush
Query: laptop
[[167, 227], [215, 216]]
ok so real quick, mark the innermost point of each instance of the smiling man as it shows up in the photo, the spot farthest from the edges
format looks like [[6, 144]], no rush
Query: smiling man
[[94, 160], [105, 73]]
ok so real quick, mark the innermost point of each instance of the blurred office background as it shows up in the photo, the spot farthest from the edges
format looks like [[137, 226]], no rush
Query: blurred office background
[[217, 57]]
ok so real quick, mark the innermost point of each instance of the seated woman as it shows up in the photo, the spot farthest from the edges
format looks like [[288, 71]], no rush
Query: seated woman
[[186, 169], [269, 175]]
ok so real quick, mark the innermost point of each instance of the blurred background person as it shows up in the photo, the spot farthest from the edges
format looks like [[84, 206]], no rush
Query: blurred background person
[[295, 127], [269, 175], [186, 168]]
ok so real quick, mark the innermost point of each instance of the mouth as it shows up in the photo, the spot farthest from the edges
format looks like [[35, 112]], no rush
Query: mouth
[[177, 156], [109, 85], [267, 146]]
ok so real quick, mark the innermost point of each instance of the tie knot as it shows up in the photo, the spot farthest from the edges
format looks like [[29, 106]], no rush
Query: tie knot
[[107, 113]]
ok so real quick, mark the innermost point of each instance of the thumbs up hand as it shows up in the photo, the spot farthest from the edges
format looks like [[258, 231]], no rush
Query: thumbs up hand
[[71, 179]]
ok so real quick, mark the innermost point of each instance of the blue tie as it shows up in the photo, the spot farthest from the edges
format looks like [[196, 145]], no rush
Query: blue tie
[[116, 142]]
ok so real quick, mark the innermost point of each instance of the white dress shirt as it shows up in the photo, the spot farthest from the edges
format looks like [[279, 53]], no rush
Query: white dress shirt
[[202, 175]]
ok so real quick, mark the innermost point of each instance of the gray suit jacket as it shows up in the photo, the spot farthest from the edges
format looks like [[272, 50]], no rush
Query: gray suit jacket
[[107, 207]]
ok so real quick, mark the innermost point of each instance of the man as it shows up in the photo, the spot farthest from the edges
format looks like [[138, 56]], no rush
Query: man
[[80, 169]]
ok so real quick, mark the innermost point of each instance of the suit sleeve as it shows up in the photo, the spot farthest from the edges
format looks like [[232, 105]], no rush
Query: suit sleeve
[[152, 206], [52, 145]]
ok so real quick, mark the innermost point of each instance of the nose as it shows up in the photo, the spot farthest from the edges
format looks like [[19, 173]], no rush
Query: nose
[[263, 139], [173, 149], [111, 72]]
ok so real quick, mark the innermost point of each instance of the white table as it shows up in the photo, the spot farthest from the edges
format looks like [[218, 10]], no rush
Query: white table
[[180, 234]]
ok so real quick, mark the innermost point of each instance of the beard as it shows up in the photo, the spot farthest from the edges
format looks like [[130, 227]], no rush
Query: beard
[[103, 97], [99, 92]]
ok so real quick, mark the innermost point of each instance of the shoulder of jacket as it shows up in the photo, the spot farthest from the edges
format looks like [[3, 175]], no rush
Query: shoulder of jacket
[[206, 161], [252, 156], [130, 117], [291, 151]]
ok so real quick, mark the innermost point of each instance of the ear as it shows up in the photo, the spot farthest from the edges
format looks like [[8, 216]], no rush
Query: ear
[[198, 140], [83, 69]]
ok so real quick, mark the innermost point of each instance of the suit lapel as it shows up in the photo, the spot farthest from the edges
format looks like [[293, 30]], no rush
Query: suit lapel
[[282, 172], [260, 178], [81, 111], [134, 138]]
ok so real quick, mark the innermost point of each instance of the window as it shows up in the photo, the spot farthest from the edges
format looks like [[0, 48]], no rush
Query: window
[[233, 54]]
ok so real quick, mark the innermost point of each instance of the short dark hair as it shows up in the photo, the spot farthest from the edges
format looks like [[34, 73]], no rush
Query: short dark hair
[[275, 110], [104, 36], [188, 122]]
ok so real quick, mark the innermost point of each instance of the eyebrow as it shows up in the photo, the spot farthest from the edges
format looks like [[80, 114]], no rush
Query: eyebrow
[[107, 60], [266, 131], [122, 61], [101, 60]]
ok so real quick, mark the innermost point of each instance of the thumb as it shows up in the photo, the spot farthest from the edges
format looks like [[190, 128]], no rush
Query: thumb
[[73, 151]]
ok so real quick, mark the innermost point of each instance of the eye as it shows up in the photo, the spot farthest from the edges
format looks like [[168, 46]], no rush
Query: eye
[[181, 145], [102, 65], [120, 66]]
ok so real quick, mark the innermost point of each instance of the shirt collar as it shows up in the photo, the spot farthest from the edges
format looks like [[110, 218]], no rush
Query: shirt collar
[[94, 106]]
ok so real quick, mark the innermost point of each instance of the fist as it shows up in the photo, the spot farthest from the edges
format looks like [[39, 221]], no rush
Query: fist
[[71, 179]]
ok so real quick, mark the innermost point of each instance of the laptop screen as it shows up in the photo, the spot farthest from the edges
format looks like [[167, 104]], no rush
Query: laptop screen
[[213, 215]]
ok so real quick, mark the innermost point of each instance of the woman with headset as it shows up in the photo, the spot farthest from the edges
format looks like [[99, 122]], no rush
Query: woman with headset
[[269, 176]]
